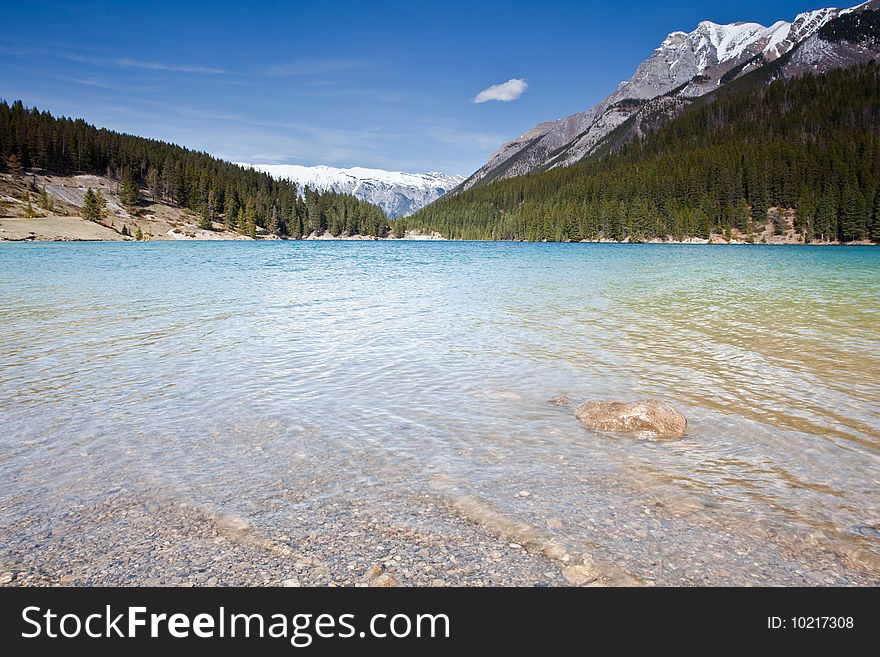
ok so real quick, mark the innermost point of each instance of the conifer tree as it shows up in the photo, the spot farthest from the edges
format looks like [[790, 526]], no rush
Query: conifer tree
[[853, 214], [91, 211], [129, 194], [13, 165], [241, 221], [875, 222], [206, 221], [251, 219], [100, 204], [230, 210], [46, 201], [29, 212], [273, 224]]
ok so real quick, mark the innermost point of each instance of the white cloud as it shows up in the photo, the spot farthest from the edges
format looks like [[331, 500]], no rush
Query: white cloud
[[505, 92]]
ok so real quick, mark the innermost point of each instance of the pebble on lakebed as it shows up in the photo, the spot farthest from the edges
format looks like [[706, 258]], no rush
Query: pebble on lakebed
[[649, 418]]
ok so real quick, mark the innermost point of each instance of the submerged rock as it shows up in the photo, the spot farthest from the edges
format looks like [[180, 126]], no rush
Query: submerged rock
[[646, 417], [562, 401], [578, 575]]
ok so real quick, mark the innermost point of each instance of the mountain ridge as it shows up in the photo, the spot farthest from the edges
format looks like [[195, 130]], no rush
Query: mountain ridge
[[396, 192], [688, 65]]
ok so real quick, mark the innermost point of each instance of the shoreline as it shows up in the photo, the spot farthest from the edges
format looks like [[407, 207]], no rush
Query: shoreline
[[418, 238], [145, 538]]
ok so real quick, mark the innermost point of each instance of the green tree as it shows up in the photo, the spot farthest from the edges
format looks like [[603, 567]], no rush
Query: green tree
[[13, 165], [250, 218], [241, 221], [206, 221], [853, 214], [130, 193], [91, 210], [29, 212], [875, 221], [273, 225], [101, 204], [139, 234], [46, 201], [230, 208]]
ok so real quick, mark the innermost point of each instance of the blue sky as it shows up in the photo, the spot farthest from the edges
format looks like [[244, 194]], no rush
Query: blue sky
[[382, 84]]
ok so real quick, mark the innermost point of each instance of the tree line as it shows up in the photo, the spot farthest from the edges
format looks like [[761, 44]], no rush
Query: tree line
[[241, 198], [810, 144]]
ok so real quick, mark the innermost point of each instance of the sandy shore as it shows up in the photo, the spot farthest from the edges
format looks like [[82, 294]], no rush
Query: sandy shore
[[55, 229]]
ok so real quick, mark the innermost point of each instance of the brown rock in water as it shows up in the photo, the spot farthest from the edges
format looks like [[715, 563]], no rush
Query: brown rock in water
[[578, 575], [647, 417], [560, 400]]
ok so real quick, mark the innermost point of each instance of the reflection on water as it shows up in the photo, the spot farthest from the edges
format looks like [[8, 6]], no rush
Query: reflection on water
[[218, 370]]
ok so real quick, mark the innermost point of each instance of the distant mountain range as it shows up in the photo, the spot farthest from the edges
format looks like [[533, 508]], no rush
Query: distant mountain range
[[399, 194], [686, 66]]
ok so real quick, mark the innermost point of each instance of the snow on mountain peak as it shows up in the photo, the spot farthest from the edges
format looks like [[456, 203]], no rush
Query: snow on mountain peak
[[396, 192]]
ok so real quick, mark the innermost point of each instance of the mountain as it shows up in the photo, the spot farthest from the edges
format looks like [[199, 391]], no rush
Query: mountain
[[792, 160], [399, 194], [687, 66]]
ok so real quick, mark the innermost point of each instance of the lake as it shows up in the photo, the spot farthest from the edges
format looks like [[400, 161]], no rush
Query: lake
[[266, 380]]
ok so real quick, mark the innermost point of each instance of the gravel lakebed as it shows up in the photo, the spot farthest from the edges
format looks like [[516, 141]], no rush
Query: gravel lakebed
[[125, 540]]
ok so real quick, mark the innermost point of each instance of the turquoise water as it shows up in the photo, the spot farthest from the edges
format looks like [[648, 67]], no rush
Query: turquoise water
[[213, 370]]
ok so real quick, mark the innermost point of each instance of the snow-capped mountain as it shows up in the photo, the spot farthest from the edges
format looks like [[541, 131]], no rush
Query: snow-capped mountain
[[399, 194], [685, 66]]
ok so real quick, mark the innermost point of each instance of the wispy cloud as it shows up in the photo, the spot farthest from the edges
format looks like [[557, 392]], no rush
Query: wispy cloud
[[140, 64], [313, 67], [159, 66], [505, 92]]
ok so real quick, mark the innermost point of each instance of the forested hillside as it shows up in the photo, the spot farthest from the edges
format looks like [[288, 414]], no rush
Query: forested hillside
[[810, 144], [240, 198]]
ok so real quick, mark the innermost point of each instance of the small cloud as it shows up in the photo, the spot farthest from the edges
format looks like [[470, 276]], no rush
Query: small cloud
[[313, 67], [505, 92]]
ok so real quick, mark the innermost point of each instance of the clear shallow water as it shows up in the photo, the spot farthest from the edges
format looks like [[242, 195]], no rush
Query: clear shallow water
[[218, 371]]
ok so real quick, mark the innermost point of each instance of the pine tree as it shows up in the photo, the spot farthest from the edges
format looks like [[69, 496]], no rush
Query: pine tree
[[826, 217], [90, 209], [101, 204], [853, 214], [130, 194], [46, 201], [704, 224], [139, 234], [805, 215], [206, 221], [273, 220], [241, 221], [13, 165], [875, 222], [29, 212], [251, 218], [230, 209]]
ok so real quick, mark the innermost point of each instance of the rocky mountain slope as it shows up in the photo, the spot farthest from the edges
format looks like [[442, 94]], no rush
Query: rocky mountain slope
[[686, 66], [399, 194], [28, 215]]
